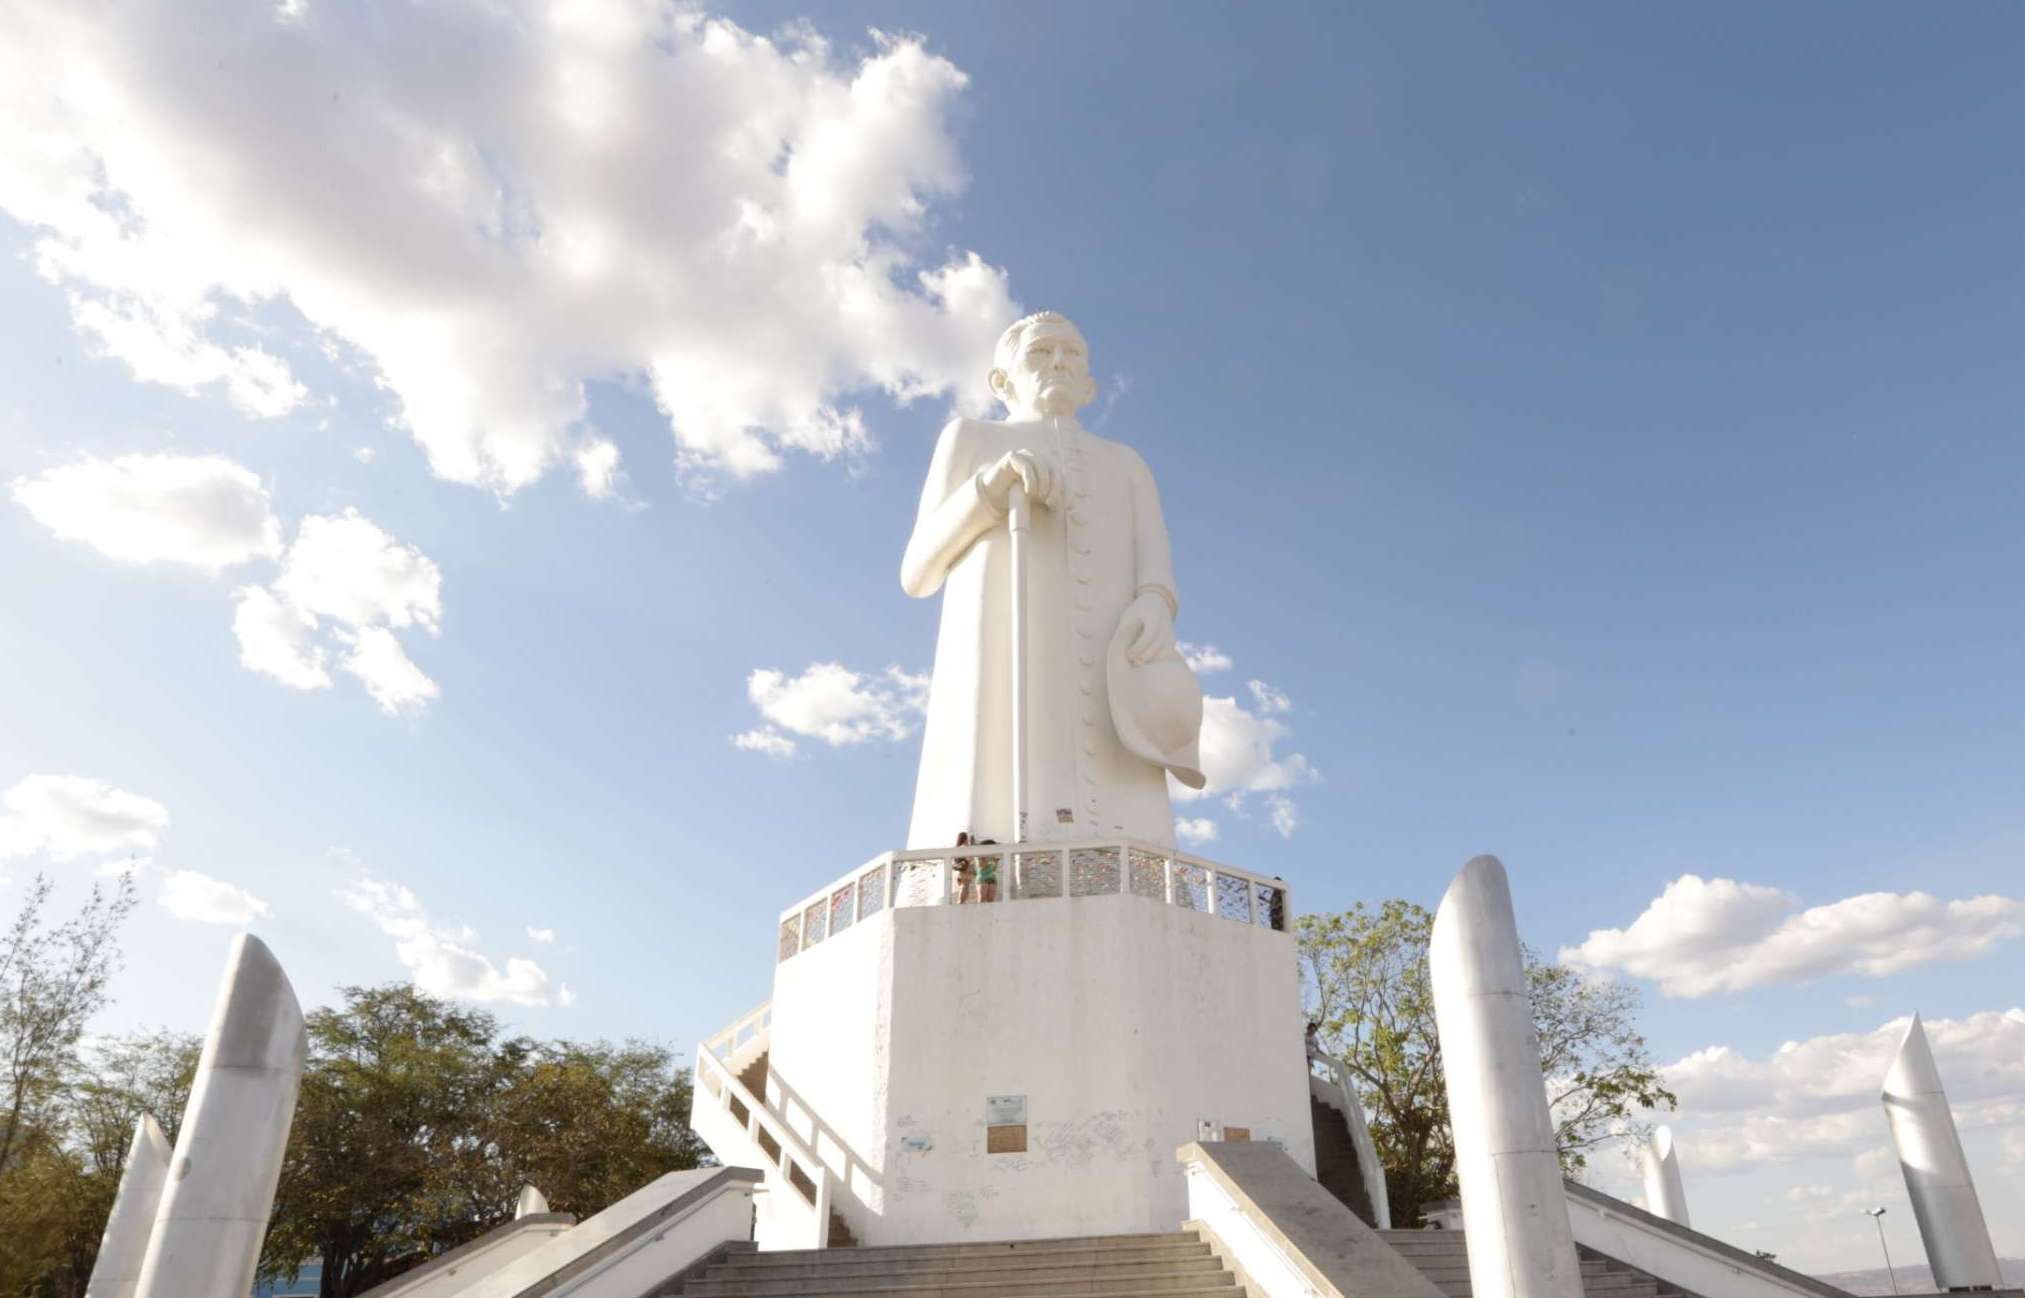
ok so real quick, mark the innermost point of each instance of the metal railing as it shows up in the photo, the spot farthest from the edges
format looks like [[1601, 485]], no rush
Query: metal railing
[[987, 874]]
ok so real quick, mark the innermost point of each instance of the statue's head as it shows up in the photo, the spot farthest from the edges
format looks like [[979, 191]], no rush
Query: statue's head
[[1042, 367]]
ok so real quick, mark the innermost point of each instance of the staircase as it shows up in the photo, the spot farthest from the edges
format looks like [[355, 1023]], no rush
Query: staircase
[[1336, 1160], [1111, 1266], [753, 1078], [1442, 1256]]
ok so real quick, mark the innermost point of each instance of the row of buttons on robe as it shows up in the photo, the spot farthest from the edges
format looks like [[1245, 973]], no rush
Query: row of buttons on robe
[[1086, 630]]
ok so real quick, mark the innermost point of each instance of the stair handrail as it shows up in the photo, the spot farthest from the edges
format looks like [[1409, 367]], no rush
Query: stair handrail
[[725, 1044], [1369, 1168], [715, 1078]]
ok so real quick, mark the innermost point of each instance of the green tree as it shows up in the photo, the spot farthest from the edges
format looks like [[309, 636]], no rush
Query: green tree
[[417, 1126], [52, 980], [393, 1102], [1366, 981]]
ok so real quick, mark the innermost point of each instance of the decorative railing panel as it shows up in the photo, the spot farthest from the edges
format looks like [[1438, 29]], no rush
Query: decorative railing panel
[[991, 873]]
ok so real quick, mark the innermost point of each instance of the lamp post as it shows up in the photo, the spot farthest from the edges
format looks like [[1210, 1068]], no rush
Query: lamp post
[[1877, 1215]]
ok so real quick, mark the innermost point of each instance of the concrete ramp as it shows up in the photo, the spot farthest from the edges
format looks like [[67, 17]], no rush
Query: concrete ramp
[[635, 1246], [1679, 1256]]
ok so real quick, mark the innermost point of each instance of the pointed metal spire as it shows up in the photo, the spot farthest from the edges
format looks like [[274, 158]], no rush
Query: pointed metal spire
[[1665, 1196], [532, 1203], [132, 1220], [1514, 1205], [213, 1215], [1936, 1173]]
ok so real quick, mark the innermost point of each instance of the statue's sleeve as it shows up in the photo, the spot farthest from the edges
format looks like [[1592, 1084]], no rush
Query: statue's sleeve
[[1153, 560], [952, 515]]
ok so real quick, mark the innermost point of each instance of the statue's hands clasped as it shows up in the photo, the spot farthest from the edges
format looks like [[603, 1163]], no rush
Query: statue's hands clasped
[[1029, 469], [1148, 626]]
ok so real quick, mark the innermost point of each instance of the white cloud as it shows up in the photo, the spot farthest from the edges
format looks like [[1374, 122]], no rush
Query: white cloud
[[386, 671], [598, 471], [278, 639], [1195, 831], [545, 936], [1203, 659], [528, 197], [834, 704], [1241, 756], [1268, 700], [446, 962], [1702, 936], [187, 894], [365, 455], [201, 510], [67, 816], [346, 569], [766, 740]]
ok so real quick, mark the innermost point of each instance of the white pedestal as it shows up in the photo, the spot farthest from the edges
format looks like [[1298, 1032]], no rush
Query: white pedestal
[[1122, 1023]]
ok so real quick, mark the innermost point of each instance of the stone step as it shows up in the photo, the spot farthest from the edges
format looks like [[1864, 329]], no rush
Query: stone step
[[983, 1248], [1010, 1282], [1459, 1268], [844, 1263], [1218, 1284]]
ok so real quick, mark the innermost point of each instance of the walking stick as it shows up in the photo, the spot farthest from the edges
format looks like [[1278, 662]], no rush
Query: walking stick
[[1019, 519]]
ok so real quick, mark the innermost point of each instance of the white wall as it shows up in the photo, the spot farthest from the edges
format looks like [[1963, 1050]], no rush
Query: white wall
[[832, 1015], [1123, 1021]]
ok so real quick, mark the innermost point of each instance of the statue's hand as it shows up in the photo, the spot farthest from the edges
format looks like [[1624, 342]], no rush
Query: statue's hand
[[1148, 627], [1030, 469]]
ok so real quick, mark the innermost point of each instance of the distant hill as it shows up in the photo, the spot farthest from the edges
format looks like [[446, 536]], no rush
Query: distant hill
[[1916, 1278]]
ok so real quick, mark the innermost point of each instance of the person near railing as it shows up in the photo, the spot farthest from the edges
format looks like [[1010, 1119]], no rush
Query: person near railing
[[963, 873]]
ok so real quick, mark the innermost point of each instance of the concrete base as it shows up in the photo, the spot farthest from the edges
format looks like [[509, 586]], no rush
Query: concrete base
[[1119, 1025]]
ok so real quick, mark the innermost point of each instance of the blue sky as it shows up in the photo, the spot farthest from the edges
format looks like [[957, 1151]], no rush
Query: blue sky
[[1599, 423]]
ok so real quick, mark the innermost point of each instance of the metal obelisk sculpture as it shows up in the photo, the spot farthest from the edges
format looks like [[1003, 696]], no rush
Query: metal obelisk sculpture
[[125, 1243], [213, 1216], [1514, 1206], [1936, 1173], [1665, 1196]]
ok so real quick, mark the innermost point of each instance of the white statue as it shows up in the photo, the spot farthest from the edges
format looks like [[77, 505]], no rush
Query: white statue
[[1110, 707]]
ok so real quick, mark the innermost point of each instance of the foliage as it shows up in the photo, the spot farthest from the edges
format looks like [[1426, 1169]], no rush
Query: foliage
[[56, 1192], [52, 980], [1366, 980], [418, 1125]]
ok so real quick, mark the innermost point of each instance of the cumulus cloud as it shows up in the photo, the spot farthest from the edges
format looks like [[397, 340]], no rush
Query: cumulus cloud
[[1195, 831], [446, 961], [834, 704], [68, 816], [1203, 659], [1703, 936], [506, 200], [200, 510], [1242, 756], [598, 471], [344, 582], [1818, 1097], [545, 936], [187, 894]]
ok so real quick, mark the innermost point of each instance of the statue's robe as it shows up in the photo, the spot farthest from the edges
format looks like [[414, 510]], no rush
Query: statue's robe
[[1086, 560]]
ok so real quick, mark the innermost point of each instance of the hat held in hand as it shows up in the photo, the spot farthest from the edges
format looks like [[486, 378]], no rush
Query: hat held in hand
[[1157, 708]]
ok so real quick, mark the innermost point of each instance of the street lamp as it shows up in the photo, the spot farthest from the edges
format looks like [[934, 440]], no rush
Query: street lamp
[[1877, 1215]]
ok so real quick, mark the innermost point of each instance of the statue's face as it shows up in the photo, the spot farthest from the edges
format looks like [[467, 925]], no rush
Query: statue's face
[[1050, 375]]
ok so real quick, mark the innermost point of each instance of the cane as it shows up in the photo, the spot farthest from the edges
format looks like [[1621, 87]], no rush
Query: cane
[[1019, 519]]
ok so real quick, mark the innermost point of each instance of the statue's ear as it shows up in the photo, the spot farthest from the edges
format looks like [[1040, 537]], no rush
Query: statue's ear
[[1000, 383]]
